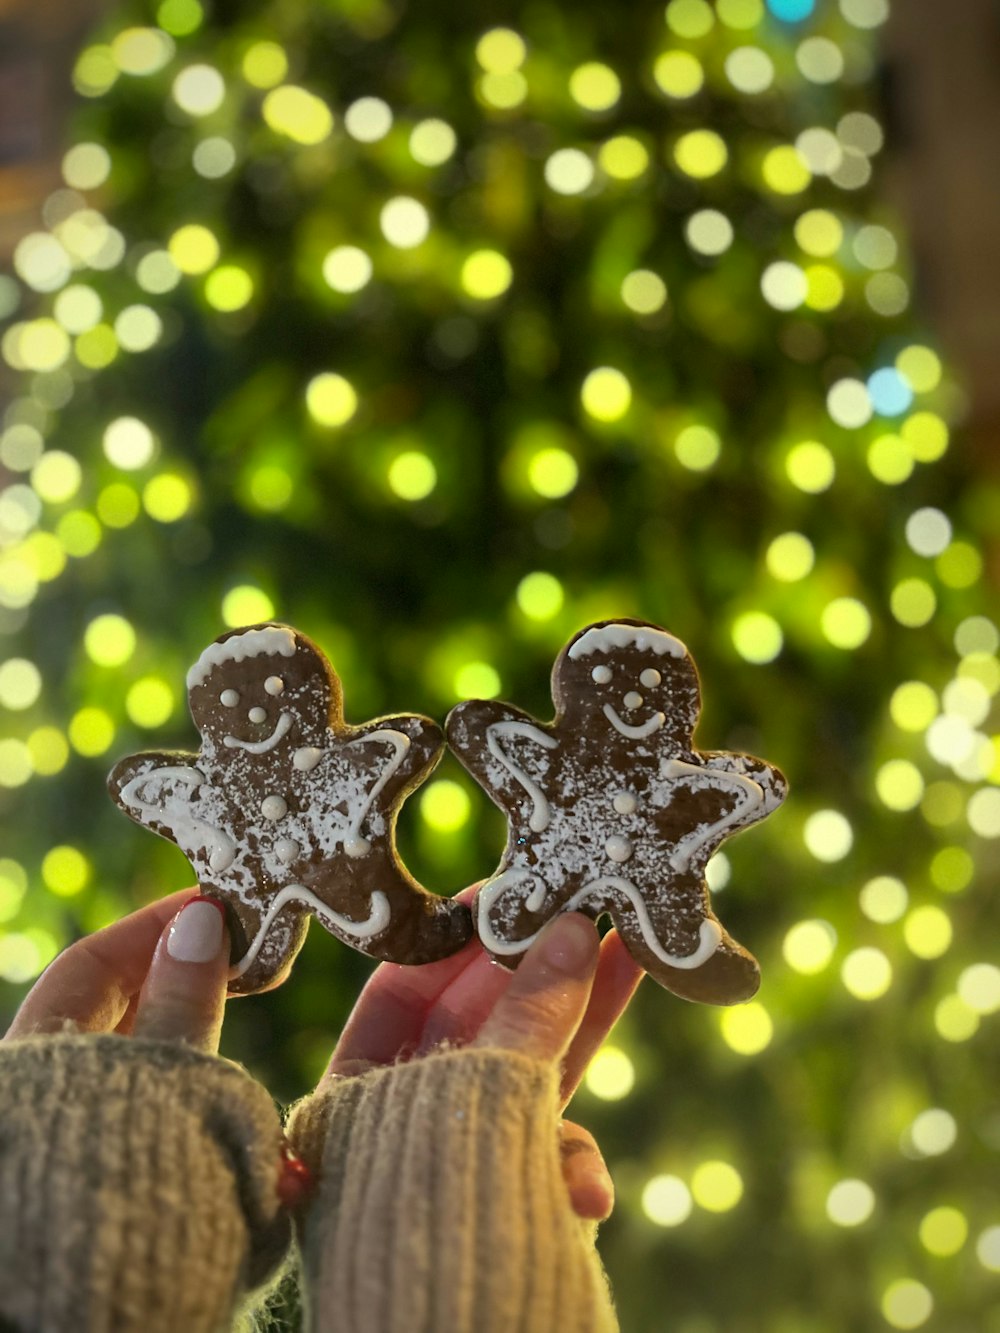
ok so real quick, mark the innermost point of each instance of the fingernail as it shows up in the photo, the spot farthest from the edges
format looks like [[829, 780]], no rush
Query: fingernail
[[569, 943], [196, 932]]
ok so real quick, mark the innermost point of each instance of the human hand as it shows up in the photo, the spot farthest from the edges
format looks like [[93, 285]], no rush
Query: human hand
[[160, 972], [558, 1006]]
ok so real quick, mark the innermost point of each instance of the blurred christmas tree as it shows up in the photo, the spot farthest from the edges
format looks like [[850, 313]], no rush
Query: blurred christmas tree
[[438, 332]]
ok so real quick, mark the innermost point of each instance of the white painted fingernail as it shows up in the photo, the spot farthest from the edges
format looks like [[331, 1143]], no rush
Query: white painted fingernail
[[196, 933]]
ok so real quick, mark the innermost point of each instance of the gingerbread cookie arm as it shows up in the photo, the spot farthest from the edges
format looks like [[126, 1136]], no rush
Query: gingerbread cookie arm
[[506, 751], [771, 780], [416, 743]]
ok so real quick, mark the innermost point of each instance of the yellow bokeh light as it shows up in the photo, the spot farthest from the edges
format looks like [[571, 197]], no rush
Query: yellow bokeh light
[[48, 750], [819, 232], [486, 274], [199, 90], [553, 472], [65, 871], [503, 91], [56, 477], [899, 784], [740, 14], [666, 1201], [810, 466], [757, 637], [979, 987], [828, 835], [540, 596], [193, 248], [913, 602], [229, 287], [86, 166], [13, 887], [95, 71], [297, 114], [271, 487], [679, 74], [850, 1203], [405, 222], [643, 291], [846, 623], [141, 51], [412, 475], [907, 1304], [866, 973], [156, 272], [890, 459], [749, 69], [138, 328], [927, 932], [109, 640], [97, 347], [697, 447], [347, 268], [824, 287], [569, 171], [432, 142], [45, 553], [606, 394], [167, 497], [623, 158], [476, 680], [501, 51], [368, 120], [20, 684], [746, 1029], [16, 767], [716, 1186], [944, 1230], [932, 1133], [790, 557], [180, 17], [927, 435], [445, 806], [118, 505], [264, 64], [149, 702], [331, 399], [709, 232], [784, 171], [913, 706], [594, 86], [246, 605], [79, 533], [689, 18], [960, 566], [128, 443], [91, 732], [954, 1020], [701, 154], [808, 946], [920, 367], [610, 1074]]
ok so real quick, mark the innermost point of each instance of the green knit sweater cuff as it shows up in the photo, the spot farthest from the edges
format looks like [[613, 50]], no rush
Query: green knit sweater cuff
[[137, 1185]]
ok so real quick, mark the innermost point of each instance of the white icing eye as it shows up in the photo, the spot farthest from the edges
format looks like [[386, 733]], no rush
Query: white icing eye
[[650, 677], [257, 715], [602, 674], [274, 685], [632, 700], [229, 698]]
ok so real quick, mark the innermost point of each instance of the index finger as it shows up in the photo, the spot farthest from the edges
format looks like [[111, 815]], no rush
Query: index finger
[[91, 983]]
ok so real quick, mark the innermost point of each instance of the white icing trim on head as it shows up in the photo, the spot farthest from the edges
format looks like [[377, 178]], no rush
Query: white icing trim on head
[[709, 933], [634, 733], [281, 729], [373, 925], [606, 638], [751, 797], [237, 648], [540, 807], [354, 843], [172, 809]]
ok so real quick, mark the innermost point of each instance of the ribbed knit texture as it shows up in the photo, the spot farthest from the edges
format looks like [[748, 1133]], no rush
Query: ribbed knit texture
[[442, 1207], [137, 1187]]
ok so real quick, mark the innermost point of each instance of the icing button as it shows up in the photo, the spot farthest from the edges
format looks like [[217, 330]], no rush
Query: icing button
[[625, 803], [274, 807], [619, 849], [357, 846], [306, 759], [286, 850]]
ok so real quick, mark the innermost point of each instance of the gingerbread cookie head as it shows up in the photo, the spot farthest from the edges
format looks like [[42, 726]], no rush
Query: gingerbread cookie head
[[286, 811], [630, 678], [612, 810]]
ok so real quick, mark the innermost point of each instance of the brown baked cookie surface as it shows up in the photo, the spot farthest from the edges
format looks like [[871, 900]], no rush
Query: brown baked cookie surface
[[287, 811], [612, 810]]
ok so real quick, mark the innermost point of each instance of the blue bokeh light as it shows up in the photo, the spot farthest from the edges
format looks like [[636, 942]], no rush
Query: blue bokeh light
[[791, 11], [889, 392]]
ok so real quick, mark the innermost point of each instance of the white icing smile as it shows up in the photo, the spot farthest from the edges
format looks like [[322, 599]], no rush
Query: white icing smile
[[634, 733], [281, 729]]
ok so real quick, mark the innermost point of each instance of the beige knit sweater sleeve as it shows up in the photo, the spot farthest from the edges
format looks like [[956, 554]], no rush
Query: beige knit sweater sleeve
[[441, 1206], [137, 1187]]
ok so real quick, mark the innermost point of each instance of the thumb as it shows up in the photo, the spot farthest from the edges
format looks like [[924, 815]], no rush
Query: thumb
[[540, 1011]]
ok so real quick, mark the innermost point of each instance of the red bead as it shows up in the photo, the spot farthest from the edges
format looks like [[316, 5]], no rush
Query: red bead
[[295, 1182]]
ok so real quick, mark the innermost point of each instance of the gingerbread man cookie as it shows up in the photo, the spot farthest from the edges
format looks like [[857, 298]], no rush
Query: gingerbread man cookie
[[286, 810], [612, 810]]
